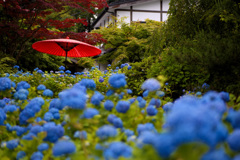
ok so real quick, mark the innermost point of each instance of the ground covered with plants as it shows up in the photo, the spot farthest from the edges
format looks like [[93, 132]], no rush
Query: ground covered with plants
[[94, 115]]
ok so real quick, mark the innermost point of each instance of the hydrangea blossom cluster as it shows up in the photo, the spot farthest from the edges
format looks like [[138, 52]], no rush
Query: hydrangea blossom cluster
[[116, 150], [106, 131], [22, 85], [151, 85], [5, 83], [73, 98], [135, 120], [122, 106], [97, 98], [41, 87], [117, 80], [63, 147]]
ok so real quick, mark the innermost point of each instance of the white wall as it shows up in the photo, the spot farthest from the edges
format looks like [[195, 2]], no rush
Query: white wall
[[121, 14], [139, 16], [142, 16], [165, 4]]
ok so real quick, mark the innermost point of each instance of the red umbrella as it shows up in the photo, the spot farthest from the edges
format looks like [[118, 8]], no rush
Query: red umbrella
[[66, 47]]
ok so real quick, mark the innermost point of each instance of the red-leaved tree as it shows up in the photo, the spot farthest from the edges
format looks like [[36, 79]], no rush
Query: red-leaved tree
[[22, 21]]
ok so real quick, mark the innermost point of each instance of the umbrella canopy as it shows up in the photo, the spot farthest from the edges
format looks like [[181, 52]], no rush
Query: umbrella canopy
[[66, 47]]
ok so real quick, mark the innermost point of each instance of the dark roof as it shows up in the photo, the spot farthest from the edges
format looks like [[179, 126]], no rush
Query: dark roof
[[99, 16], [121, 2]]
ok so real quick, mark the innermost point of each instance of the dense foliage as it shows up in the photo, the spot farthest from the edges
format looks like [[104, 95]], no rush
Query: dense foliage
[[126, 42], [24, 22], [199, 43], [93, 115]]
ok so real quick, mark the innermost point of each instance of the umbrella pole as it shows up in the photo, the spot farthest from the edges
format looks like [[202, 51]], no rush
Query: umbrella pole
[[66, 59]]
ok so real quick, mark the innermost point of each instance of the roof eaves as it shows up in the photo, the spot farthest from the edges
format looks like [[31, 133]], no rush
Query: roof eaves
[[119, 2], [100, 16]]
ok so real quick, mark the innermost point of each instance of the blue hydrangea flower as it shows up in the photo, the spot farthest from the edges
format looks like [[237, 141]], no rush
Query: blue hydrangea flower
[[5, 83], [101, 80], [20, 155], [80, 87], [63, 147], [155, 102], [111, 117], [19, 130], [73, 98], [129, 67], [25, 115], [10, 108], [237, 157], [145, 127], [225, 96], [22, 85], [122, 106], [54, 132], [37, 156], [12, 144], [117, 80], [147, 137], [108, 105], [61, 68], [167, 107], [48, 116], [37, 100], [198, 94], [2, 103], [109, 65], [21, 94], [117, 122], [122, 65], [48, 93], [145, 93], [80, 134], [151, 85], [205, 86], [36, 129], [151, 110], [234, 118], [214, 101], [88, 83], [132, 100], [121, 95], [116, 150], [142, 103], [106, 131], [55, 103], [203, 124], [43, 147], [68, 72], [29, 136], [128, 132], [41, 87], [129, 91], [216, 154], [16, 66], [109, 92], [97, 98], [164, 145], [233, 140], [160, 93], [13, 84], [90, 113]]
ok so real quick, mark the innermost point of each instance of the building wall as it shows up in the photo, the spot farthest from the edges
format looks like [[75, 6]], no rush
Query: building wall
[[148, 10]]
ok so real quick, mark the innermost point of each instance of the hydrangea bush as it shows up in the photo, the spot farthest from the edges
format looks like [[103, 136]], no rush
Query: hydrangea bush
[[93, 115]]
